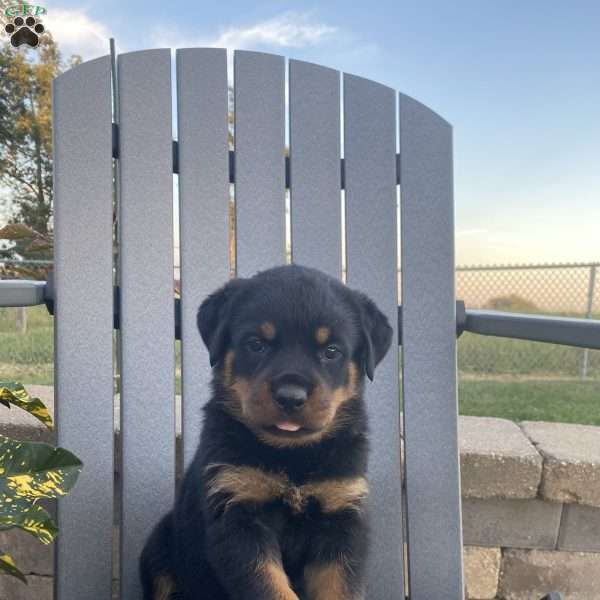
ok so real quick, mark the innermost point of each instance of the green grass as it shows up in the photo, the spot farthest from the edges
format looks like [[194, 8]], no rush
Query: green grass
[[561, 401], [487, 355], [513, 379], [27, 358]]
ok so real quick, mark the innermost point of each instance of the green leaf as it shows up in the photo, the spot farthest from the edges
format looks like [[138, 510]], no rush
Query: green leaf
[[7, 565], [29, 517], [15, 393], [30, 471], [35, 470]]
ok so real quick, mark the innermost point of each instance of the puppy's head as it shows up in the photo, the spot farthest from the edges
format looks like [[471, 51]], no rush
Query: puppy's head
[[290, 347]]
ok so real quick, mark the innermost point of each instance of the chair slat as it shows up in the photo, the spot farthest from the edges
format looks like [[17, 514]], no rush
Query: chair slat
[[203, 214], [315, 166], [147, 306], [371, 239], [429, 354], [259, 161], [83, 325]]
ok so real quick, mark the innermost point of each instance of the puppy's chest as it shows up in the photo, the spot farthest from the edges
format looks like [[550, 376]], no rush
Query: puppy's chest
[[234, 484]]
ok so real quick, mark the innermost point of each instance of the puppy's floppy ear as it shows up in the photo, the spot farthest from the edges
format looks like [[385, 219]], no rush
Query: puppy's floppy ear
[[376, 334], [213, 319]]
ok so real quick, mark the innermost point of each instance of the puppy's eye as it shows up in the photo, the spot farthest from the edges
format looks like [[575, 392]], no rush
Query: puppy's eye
[[256, 345], [332, 353]]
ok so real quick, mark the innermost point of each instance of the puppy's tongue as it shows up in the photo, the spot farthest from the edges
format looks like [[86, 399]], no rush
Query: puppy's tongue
[[287, 426]]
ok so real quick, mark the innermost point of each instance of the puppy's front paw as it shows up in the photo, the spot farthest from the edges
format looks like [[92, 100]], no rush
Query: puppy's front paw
[[276, 581], [329, 581]]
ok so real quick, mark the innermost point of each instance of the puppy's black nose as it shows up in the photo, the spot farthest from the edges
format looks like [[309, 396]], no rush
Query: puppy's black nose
[[290, 397]]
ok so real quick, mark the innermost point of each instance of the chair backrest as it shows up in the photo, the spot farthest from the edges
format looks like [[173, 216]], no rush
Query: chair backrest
[[338, 207]]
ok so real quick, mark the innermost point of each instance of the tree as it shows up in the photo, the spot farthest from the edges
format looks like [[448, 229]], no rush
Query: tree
[[26, 139]]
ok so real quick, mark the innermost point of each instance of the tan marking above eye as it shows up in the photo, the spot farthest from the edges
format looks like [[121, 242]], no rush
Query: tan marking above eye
[[268, 330], [322, 334], [242, 484]]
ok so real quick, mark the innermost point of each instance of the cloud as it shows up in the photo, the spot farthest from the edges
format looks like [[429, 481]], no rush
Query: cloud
[[77, 33], [288, 30]]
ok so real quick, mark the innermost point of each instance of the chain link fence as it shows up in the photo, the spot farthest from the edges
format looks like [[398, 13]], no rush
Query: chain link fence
[[569, 289]]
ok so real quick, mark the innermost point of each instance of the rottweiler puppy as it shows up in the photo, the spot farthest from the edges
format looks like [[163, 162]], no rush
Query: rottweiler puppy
[[273, 505]]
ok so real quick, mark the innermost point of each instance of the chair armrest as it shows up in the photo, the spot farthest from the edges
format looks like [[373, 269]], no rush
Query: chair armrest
[[21, 292], [584, 333]]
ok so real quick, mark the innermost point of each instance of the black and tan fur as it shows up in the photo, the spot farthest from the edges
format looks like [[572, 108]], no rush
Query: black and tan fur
[[273, 505]]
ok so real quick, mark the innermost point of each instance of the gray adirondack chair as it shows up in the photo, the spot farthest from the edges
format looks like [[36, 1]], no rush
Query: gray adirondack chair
[[90, 130], [84, 284]]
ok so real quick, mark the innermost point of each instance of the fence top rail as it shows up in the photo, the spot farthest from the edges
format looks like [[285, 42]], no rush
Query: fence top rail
[[27, 261], [461, 268], [528, 267], [521, 267]]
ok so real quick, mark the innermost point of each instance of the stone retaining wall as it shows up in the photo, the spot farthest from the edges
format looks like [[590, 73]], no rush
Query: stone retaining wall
[[531, 510]]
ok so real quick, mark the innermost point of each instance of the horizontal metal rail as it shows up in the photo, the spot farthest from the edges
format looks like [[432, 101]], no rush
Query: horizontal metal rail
[[21, 292], [584, 333], [175, 149]]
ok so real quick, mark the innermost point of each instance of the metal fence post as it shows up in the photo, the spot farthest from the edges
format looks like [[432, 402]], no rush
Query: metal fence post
[[588, 315], [21, 320]]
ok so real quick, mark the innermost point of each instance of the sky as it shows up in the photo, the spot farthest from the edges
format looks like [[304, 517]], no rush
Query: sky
[[518, 80]]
